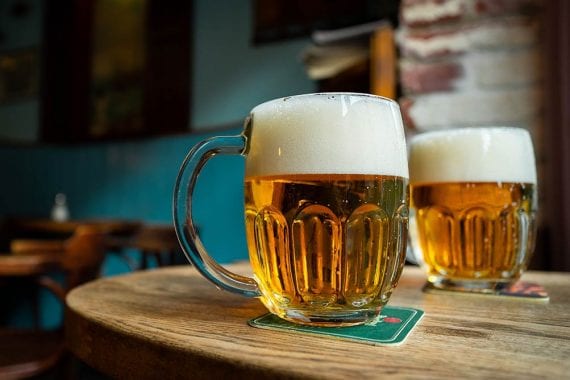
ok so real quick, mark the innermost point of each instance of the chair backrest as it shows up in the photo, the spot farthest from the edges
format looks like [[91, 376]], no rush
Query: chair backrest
[[156, 238], [25, 353], [83, 255], [80, 256]]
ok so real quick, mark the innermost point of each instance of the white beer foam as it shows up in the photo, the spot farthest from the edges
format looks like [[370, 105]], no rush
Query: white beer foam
[[329, 133], [497, 154]]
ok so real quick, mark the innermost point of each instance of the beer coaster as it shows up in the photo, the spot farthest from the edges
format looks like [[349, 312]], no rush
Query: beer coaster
[[391, 327], [520, 290]]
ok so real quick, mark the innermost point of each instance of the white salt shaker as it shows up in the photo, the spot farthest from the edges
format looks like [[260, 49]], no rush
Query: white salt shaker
[[60, 212]]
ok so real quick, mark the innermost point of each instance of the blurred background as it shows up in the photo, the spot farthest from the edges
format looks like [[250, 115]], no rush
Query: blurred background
[[100, 100]]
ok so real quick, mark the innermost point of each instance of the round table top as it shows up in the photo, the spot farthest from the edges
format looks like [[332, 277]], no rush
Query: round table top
[[172, 323]]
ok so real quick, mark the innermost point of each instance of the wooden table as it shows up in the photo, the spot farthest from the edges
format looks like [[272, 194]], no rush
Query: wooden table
[[171, 323], [109, 226], [18, 271], [28, 265]]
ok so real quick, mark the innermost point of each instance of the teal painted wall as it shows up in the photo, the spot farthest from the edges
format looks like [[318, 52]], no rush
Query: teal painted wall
[[135, 179], [132, 180], [230, 75]]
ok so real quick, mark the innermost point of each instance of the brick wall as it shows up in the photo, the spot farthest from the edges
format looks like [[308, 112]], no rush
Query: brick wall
[[470, 62]]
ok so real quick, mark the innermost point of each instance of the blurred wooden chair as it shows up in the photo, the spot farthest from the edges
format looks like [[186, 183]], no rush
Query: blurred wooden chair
[[26, 353], [25, 232], [158, 242]]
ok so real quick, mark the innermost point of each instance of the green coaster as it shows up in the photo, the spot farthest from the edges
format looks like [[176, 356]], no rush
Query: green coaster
[[392, 327]]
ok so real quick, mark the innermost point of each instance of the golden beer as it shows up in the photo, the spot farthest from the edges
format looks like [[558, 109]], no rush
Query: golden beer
[[320, 244], [472, 232], [475, 230]]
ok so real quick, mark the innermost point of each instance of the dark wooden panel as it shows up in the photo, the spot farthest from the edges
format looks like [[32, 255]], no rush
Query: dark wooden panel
[[79, 104], [556, 239]]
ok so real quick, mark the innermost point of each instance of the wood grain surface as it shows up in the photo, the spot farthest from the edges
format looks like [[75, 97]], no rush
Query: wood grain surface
[[172, 323]]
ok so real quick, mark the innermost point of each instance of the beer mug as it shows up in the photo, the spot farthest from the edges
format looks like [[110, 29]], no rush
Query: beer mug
[[473, 205], [326, 206]]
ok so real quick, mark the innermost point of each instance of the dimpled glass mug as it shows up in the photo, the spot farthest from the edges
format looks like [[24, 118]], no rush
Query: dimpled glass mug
[[474, 204], [326, 206]]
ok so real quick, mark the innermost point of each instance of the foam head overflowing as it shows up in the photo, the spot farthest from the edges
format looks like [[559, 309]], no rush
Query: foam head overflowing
[[473, 155], [327, 134]]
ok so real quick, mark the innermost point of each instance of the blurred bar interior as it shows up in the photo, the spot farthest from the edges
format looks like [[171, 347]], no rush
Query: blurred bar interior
[[100, 100]]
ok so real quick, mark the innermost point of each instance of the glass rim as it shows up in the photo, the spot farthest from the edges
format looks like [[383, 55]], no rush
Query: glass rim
[[378, 98]]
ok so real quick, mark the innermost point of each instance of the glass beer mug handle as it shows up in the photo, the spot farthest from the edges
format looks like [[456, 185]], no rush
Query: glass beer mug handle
[[184, 224]]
